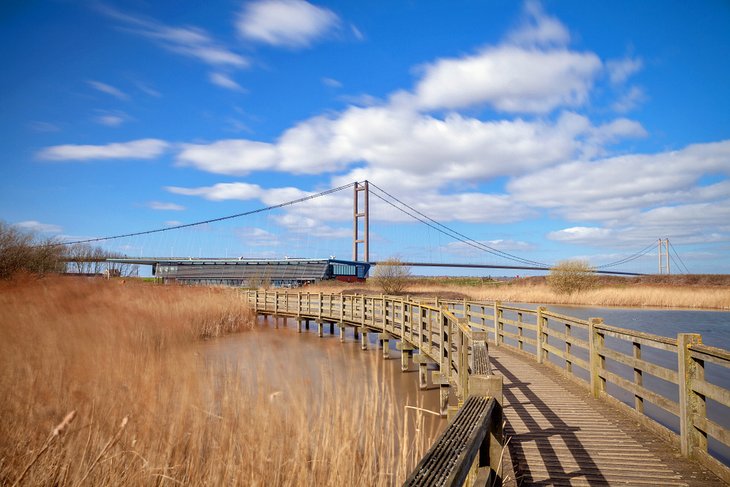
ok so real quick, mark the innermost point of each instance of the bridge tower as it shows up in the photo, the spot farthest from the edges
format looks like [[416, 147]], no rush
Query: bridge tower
[[363, 215], [664, 256]]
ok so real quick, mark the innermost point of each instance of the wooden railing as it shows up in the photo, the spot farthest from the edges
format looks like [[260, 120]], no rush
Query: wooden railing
[[440, 337], [664, 382], [659, 380]]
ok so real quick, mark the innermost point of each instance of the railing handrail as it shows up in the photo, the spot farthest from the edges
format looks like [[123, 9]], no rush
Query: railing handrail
[[452, 351]]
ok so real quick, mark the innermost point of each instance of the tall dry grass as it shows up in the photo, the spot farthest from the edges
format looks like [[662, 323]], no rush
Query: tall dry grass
[[628, 295], [151, 409]]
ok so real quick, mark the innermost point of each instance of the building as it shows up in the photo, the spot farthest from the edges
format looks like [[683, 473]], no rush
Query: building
[[242, 272]]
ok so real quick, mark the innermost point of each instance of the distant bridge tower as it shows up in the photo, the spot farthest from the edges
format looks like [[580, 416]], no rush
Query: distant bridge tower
[[664, 256], [363, 215]]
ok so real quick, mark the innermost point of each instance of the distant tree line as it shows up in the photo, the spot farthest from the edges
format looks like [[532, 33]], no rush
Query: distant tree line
[[25, 251]]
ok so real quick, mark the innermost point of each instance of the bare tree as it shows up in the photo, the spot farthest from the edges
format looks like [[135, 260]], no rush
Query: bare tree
[[570, 276], [24, 251], [392, 276]]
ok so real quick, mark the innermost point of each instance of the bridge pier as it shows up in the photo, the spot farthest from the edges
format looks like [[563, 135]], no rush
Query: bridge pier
[[342, 331], [319, 328], [299, 326], [332, 328], [422, 361], [406, 351], [444, 400], [364, 339], [385, 340], [306, 324], [276, 322]]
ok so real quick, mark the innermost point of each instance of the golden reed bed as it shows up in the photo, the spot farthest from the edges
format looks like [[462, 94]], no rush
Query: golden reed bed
[[102, 384], [715, 297]]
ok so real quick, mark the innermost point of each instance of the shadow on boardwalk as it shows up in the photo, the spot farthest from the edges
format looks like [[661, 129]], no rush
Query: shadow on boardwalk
[[560, 435]]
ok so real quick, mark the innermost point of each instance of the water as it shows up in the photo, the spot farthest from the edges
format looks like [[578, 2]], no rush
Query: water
[[285, 356], [714, 326]]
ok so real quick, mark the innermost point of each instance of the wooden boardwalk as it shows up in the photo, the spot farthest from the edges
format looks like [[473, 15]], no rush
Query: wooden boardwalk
[[560, 435], [564, 429]]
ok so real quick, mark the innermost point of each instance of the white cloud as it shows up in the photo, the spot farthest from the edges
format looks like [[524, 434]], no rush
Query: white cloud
[[617, 187], [189, 41], [619, 70], [108, 89], [136, 149], [289, 23], [511, 79], [221, 191], [257, 237], [539, 29], [172, 223], [224, 81], [466, 249], [38, 227], [163, 206], [331, 82], [111, 118], [581, 235], [629, 100], [234, 156], [39, 126]]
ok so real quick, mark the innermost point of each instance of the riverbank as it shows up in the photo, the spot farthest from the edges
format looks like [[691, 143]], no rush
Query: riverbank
[[122, 362], [691, 292]]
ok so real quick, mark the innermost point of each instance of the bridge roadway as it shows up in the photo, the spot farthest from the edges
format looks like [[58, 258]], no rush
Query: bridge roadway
[[560, 435], [558, 431]]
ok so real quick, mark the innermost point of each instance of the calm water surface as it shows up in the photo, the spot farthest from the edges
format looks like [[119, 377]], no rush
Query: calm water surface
[[284, 356]]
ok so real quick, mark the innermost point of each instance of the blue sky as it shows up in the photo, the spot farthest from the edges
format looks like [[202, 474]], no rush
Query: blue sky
[[548, 130]]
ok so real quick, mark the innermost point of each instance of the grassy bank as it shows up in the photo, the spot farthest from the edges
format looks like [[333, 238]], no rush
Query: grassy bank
[[149, 409], [700, 292]]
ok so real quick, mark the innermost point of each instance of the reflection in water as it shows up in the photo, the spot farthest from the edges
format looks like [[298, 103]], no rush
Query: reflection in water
[[286, 357]]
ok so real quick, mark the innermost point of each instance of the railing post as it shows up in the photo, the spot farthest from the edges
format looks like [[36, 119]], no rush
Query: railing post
[[490, 454], [539, 333], [691, 404], [596, 360], [638, 379], [496, 323]]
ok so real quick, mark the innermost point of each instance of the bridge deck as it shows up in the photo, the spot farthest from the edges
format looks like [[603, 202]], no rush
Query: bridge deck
[[560, 435]]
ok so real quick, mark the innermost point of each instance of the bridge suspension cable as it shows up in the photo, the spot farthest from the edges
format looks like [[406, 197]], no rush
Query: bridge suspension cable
[[439, 227], [212, 220], [635, 256]]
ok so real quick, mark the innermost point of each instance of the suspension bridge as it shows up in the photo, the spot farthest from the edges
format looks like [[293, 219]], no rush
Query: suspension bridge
[[312, 236], [533, 397]]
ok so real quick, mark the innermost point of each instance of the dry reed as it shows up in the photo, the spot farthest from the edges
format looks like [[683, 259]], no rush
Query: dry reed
[[627, 295], [112, 352]]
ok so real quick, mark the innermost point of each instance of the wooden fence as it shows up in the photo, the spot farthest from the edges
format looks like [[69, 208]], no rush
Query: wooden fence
[[671, 385]]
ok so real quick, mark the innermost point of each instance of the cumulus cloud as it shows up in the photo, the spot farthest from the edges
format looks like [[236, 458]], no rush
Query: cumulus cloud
[[288, 23], [620, 70], [135, 149], [509, 78], [617, 187], [539, 29]]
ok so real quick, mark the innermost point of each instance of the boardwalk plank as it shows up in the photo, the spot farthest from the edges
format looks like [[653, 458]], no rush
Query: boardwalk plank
[[560, 435]]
